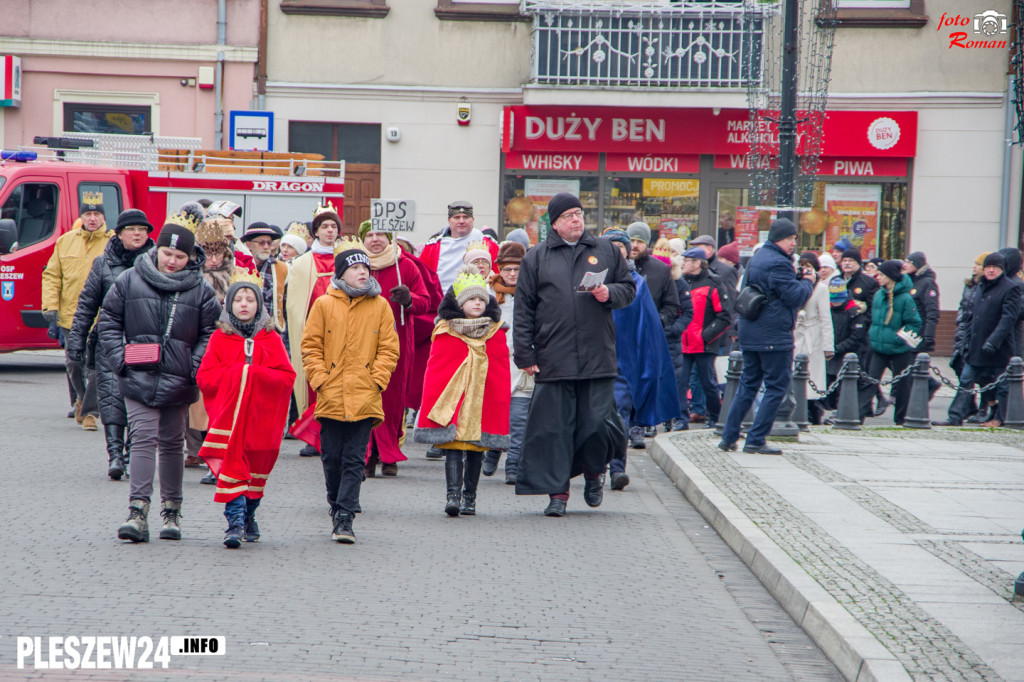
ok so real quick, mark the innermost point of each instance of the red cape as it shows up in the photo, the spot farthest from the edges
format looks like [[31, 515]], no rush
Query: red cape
[[423, 327], [446, 355], [386, 434], [248, 408]]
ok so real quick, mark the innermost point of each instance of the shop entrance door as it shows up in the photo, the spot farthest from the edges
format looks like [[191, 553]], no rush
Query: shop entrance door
[[718, 212]]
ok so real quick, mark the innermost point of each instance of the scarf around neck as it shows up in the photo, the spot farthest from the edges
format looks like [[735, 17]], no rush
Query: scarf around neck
[[384, 259], [245, 329], [501, 290], [474, 327], [371, 288], [321, 249]]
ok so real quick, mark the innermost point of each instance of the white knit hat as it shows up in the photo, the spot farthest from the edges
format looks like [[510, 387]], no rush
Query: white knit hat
[[296, 242]]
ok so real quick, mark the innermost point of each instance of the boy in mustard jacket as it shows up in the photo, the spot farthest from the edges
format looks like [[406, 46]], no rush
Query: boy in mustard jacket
[[349, 350]]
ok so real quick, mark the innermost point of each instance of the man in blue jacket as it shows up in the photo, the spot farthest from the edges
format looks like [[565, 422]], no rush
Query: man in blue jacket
[[767, 342]]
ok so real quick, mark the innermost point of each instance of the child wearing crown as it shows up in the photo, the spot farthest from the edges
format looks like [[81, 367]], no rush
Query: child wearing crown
[[349, 351], [246, 378], [467, 369]]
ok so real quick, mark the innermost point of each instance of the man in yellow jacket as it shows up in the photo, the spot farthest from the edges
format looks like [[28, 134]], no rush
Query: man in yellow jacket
[[63, 279]]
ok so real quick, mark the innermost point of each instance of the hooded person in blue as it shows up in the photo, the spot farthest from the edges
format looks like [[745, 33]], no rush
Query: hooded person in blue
[[767, 342], [645, 388]]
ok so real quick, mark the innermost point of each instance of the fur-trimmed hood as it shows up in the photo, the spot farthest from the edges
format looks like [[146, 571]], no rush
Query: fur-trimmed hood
[[451, 310]]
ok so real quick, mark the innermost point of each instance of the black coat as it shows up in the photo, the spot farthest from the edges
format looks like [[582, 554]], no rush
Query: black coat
[[963, 325], [674, 332], [730, 276], [850, 334], [137, 309], [662, 287], [105, 269], [997, 306], [926, 296], [1012, 256], [862, 287], [569, 334]]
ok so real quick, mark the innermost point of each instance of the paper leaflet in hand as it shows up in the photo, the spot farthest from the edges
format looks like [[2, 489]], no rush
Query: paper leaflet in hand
[[592, 280]]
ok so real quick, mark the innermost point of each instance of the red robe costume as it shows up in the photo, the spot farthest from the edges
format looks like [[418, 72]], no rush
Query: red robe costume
[[248, 408], [451, 384], [385, 435], [423, 328]]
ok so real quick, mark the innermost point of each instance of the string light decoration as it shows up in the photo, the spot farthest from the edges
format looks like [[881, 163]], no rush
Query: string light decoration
[[766, 82], [1017, 68]]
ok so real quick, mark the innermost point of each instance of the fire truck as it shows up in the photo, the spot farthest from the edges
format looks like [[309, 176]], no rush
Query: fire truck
[[42, 186]]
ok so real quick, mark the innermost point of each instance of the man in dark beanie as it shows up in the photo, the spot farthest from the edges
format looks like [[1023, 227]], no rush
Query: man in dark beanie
[[63, 279], [564, 338], [767, 342], [860, 285], [926, 297], [990, 340]]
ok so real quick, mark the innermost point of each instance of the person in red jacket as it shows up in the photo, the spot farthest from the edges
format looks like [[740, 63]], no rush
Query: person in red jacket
[[246, 378], [701, 337], [398, 275]]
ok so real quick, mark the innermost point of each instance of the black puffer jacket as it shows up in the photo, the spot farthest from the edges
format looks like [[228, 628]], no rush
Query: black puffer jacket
[[105, 270], [663, 289], [569, 334], [137, 309], [674, 332], [997, 305], [926, 296]]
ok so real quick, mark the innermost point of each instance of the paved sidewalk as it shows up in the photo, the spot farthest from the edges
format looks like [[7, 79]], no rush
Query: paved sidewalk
[[896, 550]]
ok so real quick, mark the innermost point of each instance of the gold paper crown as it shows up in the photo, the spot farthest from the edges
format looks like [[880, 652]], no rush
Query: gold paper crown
[[242, 275], [92, 198], [323, 208], [211, 232], [298, 229], [466, 280], [348, 242], [478, 246], [185, 220], [664, 251]]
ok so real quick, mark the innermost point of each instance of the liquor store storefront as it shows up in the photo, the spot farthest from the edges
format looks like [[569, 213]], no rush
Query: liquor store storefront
[[684, 172]]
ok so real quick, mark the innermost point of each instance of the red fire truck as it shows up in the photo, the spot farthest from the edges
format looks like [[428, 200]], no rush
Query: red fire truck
[[41, 191]]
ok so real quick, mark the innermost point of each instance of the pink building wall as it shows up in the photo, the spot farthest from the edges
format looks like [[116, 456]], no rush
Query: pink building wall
[[186, 111]]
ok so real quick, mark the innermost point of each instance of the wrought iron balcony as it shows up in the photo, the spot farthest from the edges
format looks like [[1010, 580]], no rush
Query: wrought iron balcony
[[675, 45]]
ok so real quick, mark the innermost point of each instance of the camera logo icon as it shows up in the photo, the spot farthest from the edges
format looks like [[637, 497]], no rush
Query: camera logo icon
[[990, 23]]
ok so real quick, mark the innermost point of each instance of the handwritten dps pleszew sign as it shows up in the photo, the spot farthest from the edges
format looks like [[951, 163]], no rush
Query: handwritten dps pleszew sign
[[392, 215]]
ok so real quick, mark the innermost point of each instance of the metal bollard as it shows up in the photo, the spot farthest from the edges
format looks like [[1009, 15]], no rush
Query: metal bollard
[[799, 383], [917, 410], [732, 382], [1015, 400], [848, 415]]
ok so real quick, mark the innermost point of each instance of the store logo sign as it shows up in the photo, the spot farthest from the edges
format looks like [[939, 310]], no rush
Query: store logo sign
[[986, 28], [883, 133]]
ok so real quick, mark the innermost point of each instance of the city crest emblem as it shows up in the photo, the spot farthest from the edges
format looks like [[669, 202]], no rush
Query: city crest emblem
[[7, 290]]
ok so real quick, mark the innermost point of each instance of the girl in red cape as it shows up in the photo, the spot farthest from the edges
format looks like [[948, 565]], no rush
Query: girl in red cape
[[246, 378], [468, 368]]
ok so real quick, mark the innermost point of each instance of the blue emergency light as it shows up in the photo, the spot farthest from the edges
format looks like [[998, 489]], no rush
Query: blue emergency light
[[19, 155]]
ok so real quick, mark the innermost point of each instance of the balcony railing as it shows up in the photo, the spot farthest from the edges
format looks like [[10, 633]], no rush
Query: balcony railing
[[688, 45]]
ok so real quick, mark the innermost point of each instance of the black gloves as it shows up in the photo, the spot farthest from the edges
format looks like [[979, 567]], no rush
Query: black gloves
[[989, 348], [75, 355], [401, 295], [50, 315]]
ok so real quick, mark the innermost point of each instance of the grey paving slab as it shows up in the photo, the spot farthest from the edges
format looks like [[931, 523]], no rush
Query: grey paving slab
[[904, 559]]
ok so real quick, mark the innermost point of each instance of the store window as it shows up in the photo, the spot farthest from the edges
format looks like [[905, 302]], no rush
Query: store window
[[33, 207], [668, 205], [526, 199], [111, 119]]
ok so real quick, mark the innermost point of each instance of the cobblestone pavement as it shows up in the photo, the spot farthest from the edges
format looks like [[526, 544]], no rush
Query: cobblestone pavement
[[640, 589], [915, 534]]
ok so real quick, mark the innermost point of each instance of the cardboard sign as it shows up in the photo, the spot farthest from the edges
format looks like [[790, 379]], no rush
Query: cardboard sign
[[392, 215]]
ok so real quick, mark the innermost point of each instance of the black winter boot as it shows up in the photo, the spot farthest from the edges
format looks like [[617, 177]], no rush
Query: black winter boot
[[453, 478], [474, 464], [116, 466], [491, 460], [236, 526]]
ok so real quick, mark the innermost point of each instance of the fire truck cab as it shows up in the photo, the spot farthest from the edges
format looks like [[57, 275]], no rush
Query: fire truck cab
[[40, 194]]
